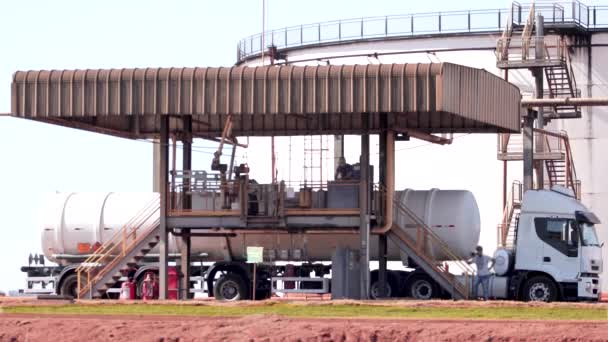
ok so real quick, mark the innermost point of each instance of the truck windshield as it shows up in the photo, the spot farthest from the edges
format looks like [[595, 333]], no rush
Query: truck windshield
[[588, 235]]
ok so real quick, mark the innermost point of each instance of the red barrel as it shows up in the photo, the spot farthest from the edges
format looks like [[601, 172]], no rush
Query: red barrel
[[127, 290], [290, 271], [172, 283]]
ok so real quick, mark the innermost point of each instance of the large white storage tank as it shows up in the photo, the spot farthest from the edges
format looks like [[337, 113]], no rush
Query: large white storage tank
[[84, 219]]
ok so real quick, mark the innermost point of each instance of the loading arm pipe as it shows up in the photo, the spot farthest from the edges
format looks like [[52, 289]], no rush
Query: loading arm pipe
[[390, 184], [574, 101], [427, 137]]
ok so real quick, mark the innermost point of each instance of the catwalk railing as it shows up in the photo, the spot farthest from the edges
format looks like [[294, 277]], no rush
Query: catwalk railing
[[559, 14]]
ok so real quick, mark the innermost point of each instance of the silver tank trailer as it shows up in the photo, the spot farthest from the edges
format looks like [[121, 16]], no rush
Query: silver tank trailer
[[87, 218]]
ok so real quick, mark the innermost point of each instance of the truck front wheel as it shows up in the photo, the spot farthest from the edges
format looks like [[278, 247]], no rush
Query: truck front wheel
[[231, 287], [540, 289]]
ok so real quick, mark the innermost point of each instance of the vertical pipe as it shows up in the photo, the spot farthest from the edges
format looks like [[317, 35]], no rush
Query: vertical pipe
[[186, 204], [386, 26], [163, 179], [499, 20], [156, 165], [364, 210], [263, 29], [273, 161], [361, 27], [538, 92], [319, 32], [382, 240], [528, 142], [504, 184], [412, 24], [338, 150], [504, 164]]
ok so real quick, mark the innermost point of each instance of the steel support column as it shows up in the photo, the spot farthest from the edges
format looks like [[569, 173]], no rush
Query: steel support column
[[364, 211], [538, 93], [163, 180], [528, 142], [382, 239], [186, 205]]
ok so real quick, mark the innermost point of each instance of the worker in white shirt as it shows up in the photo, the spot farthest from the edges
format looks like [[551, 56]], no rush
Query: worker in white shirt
[[483, 271]]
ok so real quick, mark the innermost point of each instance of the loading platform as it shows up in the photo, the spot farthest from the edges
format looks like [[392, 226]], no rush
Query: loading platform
[[223, 104]]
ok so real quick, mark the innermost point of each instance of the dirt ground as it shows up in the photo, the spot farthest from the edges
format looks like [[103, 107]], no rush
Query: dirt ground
[[273, 328], [19, 327]]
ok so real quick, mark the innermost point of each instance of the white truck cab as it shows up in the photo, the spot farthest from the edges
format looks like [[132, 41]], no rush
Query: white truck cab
[[557, 252]]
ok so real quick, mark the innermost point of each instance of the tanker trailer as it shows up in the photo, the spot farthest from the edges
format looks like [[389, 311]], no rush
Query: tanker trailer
[[74, 223], [556, 254]]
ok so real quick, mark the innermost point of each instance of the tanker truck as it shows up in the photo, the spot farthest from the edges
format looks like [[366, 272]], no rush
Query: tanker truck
[[555, 253]]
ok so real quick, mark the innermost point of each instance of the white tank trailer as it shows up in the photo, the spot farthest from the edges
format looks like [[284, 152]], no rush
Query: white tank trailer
[[73, 219], [556, 253]]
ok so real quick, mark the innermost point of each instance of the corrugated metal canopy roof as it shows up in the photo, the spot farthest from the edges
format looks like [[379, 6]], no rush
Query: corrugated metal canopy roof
[[271, 100]]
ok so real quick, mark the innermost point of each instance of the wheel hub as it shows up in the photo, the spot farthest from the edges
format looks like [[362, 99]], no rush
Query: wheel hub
[[539, 292], [421, 289], [229, 290], [375, 290]]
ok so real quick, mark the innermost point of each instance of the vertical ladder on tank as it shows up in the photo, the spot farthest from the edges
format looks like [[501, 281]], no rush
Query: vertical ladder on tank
[[417, 249], [316, 148], [119, 256]]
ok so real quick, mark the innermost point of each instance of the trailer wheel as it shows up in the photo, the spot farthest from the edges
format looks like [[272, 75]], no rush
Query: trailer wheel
[[422, 287], [231, 287], [540, 289], [69, 286], [374, 290]]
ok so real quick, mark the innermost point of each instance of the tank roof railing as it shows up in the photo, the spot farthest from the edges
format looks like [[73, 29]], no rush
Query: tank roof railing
[[571, 14]]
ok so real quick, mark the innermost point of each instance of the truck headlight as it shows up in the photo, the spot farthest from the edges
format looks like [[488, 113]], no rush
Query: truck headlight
[[588, 286]]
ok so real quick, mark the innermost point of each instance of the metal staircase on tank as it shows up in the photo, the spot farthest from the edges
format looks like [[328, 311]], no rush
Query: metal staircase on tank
[[119, 256], [417, 248], [550, 53], [561, 171], [561, 84], [551, 148]]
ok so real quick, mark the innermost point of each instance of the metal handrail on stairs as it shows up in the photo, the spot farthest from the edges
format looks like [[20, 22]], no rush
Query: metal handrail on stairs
[[513, 202], [571, 180], [112, 251], [425, 235]]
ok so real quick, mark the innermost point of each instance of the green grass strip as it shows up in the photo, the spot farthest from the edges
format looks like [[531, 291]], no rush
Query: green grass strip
[[339, 310]]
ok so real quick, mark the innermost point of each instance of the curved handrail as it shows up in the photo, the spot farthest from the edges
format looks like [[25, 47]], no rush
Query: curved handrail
[[414, 24]]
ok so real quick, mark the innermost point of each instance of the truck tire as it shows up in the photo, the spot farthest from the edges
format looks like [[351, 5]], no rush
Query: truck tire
[[374, 290], [422, 287], [69, 286], [231, 287], [540, 289]]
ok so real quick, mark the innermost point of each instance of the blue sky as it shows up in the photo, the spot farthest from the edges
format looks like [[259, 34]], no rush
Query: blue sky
[[39, 158]]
